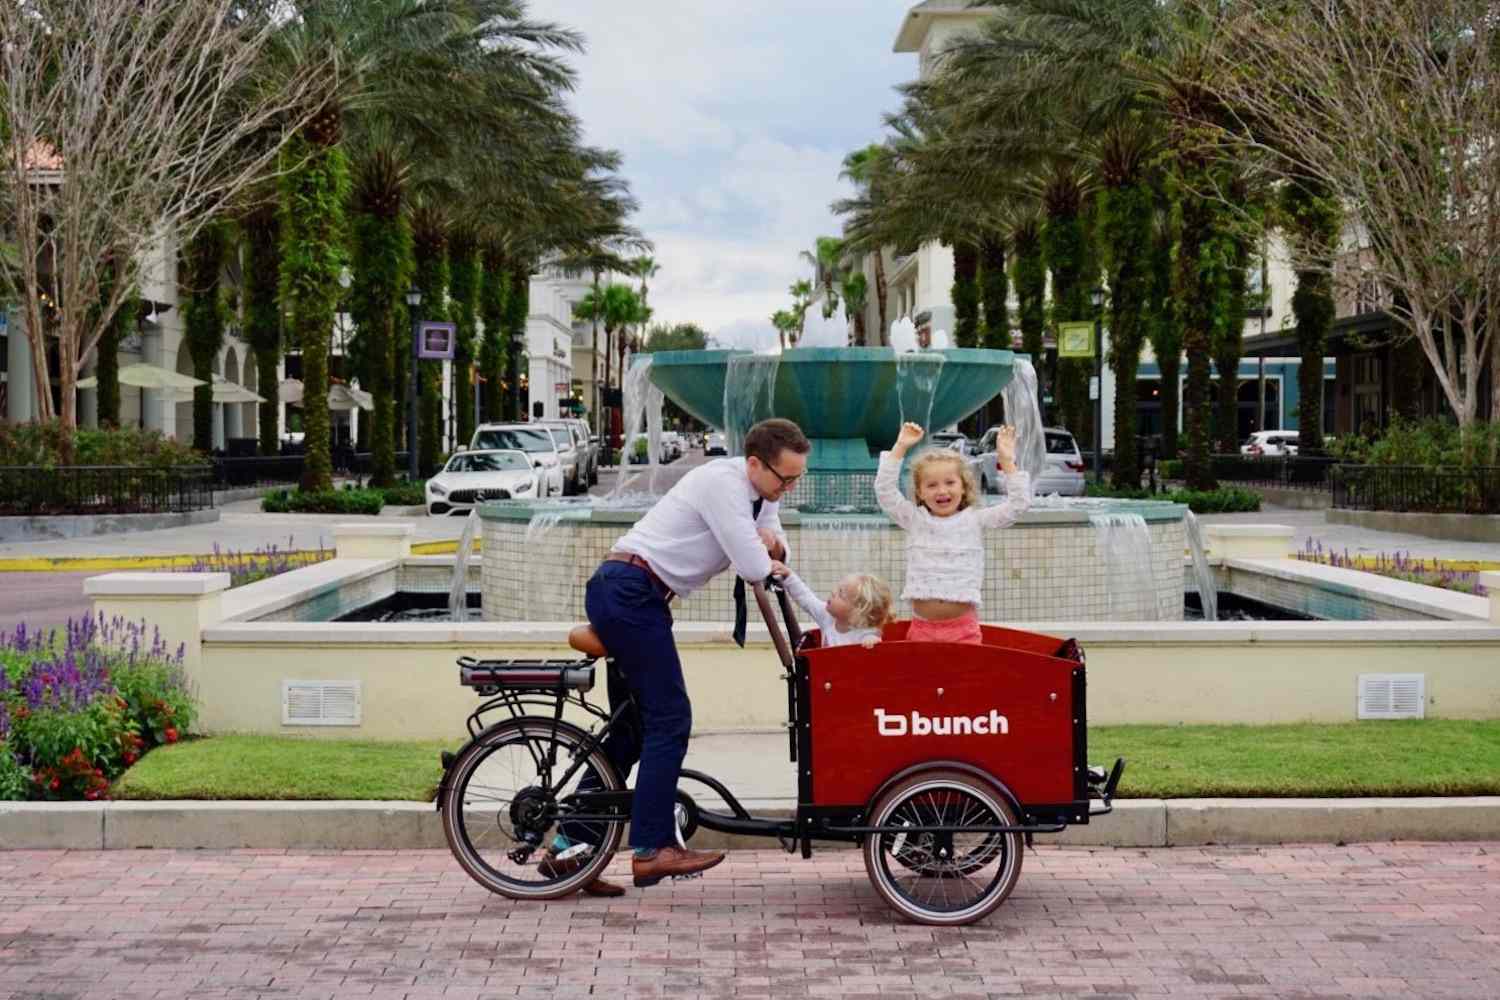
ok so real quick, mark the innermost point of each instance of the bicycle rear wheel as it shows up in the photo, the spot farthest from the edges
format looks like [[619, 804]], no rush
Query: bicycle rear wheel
[[500, 816]]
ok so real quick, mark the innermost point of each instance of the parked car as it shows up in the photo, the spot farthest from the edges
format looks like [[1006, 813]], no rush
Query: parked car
[[534, 439], [715, 444], [474, 476], [588, 450], [673, 445], [1270, 443], [574, 453], [1062, 473], [950, 439]]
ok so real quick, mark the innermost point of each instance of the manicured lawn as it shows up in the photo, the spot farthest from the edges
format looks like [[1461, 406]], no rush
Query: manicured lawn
[[267, 767], [1417, 757], [1429, 757]]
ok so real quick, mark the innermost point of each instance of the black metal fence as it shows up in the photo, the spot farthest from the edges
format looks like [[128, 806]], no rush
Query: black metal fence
[[1290, 472], [1405, 488], [282, 470], [104, 489]]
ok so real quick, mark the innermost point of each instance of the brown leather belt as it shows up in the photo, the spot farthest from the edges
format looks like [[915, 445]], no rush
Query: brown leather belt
[[635, 560]]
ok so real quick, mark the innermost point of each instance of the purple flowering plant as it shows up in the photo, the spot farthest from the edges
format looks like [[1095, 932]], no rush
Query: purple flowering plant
[[261, 564], [80, 704], [1399, 566]]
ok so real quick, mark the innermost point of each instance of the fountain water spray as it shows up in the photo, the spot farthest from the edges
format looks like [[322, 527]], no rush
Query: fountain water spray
[[749, 395], [1203, 574], [458, 590], [1124, 547], [1023, 412], [917, 374], [641, 400]]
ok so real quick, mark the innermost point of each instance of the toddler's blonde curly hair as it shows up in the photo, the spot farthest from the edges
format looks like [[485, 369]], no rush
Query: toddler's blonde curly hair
[[938, 456], [869, 600]]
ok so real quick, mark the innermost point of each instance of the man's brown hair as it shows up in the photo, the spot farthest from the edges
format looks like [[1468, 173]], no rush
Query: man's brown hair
[[769, 438]]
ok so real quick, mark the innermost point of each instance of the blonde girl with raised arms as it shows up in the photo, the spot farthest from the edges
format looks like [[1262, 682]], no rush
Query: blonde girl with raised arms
[[855, 612], [945, 531]]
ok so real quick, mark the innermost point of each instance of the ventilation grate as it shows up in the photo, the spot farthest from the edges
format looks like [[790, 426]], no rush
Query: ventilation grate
[[1392, 696], [320, 703]]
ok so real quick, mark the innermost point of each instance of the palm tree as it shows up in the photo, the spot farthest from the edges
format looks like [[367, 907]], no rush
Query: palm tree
[[855, 290], [827, 260], [863, 168], [424, 65]]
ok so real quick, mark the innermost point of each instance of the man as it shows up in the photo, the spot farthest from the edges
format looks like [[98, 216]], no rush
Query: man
[[720, 515]]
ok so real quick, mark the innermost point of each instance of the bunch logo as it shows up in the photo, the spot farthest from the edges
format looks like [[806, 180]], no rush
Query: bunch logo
[[917, 724]]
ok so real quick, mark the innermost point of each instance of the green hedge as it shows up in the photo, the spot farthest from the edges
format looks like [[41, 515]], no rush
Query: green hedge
[[1170, 468], [404, 494], [1224, 500], [345, 501]]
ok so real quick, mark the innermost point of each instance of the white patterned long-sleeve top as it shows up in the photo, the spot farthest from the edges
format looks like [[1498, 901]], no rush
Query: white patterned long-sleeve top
[[945, 555]]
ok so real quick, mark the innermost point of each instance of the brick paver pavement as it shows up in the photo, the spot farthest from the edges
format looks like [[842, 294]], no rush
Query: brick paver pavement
[[1390, 920]]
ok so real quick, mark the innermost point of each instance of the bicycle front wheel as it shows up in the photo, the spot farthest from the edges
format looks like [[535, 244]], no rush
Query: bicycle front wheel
[[501, 810]]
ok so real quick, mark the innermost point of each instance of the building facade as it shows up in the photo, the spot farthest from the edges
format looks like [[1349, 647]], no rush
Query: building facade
[[158, 340]]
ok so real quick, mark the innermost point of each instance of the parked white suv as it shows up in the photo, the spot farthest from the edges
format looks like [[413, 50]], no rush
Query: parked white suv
[[1270, 443], [535, 440], [1062, 473]]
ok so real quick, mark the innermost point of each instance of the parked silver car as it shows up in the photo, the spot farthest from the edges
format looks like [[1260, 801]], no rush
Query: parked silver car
[[1062, 473]]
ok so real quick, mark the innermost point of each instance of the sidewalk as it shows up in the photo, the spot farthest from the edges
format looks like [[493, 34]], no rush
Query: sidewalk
[[1382, 920]]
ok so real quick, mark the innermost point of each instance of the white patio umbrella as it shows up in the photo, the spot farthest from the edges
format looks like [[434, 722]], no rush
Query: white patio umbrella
[[343, 397], [147, 376], [225, 391]]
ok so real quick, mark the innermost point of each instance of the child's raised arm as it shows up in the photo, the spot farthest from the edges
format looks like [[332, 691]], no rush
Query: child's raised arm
[[1017, 484], [888, 477]]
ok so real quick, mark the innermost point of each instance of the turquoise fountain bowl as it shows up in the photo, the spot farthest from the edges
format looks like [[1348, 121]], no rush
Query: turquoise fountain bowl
[[854, 395]]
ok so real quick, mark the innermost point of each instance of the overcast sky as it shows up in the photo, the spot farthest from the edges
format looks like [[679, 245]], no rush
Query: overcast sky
[[734, 119]]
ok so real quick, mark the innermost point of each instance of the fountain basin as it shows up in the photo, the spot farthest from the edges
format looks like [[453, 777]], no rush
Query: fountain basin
[[1044, 567], [848, 400]]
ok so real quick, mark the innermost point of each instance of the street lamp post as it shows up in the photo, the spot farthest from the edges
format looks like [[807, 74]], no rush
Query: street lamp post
[[1097, 297], [515, 375], [414, 304]]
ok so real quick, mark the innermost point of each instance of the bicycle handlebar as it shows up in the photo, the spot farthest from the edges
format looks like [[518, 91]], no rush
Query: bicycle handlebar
[[773, 625]]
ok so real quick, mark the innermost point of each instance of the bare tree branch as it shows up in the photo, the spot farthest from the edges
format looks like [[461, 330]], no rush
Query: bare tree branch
[[127, 125], [1391, 106]]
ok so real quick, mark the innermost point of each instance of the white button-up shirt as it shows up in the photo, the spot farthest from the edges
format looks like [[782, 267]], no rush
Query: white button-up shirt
[[703, 526]]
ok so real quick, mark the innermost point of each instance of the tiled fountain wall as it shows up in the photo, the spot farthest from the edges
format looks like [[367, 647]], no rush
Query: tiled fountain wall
[[1048, 567]]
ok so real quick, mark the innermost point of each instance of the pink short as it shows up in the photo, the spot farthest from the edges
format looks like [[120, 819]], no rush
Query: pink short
[[964, 628]]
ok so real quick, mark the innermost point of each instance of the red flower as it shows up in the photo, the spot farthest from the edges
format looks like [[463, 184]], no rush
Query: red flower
[[171, 734]]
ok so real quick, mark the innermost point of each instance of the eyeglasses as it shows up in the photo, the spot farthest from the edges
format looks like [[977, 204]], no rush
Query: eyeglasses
[[787, 482]]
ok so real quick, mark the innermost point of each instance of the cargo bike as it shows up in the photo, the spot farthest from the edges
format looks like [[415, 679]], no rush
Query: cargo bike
[[941, 760]]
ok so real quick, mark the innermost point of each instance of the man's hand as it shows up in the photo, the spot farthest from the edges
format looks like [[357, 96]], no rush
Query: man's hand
[[779, 569], [1005, 449], [869, 641], [772, 542]]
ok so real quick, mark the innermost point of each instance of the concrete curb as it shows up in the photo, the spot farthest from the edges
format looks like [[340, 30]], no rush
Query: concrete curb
[[416, 825]]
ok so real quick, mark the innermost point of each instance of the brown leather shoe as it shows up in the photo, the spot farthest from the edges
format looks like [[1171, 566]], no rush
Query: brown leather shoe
[[671, 862], [553, 867]]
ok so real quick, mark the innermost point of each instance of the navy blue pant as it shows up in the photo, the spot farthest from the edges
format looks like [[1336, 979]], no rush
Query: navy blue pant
[[630, 614]]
